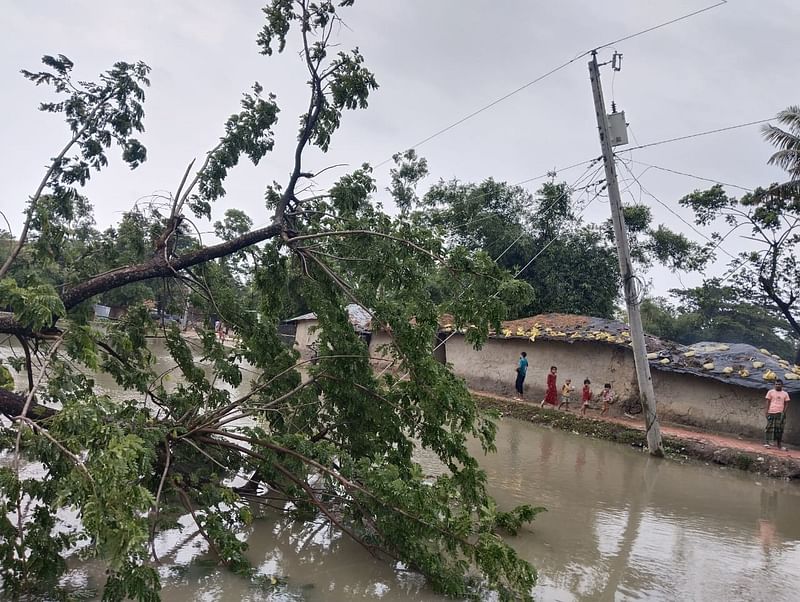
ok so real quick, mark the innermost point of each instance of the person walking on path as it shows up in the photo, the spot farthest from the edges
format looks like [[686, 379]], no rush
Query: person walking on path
[[551, 397], [586, 396], [607, 397], [566, 394], [522, 370], [775, 410]]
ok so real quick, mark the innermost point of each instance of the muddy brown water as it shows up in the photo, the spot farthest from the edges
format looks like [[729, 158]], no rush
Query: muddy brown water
[[619, 526]]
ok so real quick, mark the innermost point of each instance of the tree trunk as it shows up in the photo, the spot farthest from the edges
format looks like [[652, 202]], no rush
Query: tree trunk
[[12, 404]]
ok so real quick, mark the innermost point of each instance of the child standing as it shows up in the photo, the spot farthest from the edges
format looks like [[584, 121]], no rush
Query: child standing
[[566, 394], [551, 397], [586, 396], [607, 397]]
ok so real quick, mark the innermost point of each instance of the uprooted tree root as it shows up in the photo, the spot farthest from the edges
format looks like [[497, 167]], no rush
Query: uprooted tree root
[[675, 448]]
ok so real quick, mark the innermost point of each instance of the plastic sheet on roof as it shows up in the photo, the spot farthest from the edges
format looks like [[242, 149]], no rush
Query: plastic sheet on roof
[[734, 363]]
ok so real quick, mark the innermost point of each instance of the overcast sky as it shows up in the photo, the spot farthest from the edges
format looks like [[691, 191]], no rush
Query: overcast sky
[[436, 61]]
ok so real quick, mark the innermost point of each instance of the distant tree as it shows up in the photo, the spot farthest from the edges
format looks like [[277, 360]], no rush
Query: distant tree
[[713, 312], [769, 275], [575, 269], [650, 245]]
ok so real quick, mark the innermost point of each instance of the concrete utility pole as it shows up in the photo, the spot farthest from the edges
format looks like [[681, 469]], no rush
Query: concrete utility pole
[[646, 393]]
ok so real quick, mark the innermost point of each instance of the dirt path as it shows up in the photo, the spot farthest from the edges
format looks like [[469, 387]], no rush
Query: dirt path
[[701, 438], [719, 440]]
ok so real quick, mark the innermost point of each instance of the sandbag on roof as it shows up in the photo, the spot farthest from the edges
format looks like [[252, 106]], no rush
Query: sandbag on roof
[[735, 363]]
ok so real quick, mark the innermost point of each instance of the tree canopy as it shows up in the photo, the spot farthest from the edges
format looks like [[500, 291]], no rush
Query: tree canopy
[[330, 439], [714, 312], [768, 273], [571, 266]]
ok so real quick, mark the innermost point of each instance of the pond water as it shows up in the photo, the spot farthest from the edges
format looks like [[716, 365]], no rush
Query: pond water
[[620, 526]]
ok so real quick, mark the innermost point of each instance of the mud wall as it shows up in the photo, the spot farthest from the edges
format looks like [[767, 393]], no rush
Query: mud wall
[[492, 368], [682, 398], [714, 405], [380, 347], [304, 338]]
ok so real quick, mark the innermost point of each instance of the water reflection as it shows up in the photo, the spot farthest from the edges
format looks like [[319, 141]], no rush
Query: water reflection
[[620, 526]]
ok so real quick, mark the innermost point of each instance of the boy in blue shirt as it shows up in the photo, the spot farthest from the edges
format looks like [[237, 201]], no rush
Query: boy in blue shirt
[[522, 370]]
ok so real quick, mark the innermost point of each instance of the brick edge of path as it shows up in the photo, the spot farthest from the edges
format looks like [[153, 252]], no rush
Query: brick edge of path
[[725, 450]]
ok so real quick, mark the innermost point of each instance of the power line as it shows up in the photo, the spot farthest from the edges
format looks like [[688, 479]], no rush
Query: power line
[[689, 175], [648, 145], [552, 71], [665, 24], [520, 183], [742, 263], [676, 214], [487, 106], [552, 240], [567, 190], [698, 134]]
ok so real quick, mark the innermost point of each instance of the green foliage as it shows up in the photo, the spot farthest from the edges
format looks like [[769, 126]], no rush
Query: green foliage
[[38, 570], [132, 582], [246, 133], [409, 171], [771, 216], [575, 270], [714, 312], [787, 140], [6, 378], [98, 114], [35, 307], [330, 439]]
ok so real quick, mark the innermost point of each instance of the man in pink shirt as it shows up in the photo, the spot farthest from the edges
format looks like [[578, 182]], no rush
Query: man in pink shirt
[[775, 410]]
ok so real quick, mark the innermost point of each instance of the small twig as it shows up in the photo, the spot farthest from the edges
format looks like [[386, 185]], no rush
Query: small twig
[[365, 233], [324, 169], [175, 207], [28, 362], [40, 430], [188, 505], [156, 503]]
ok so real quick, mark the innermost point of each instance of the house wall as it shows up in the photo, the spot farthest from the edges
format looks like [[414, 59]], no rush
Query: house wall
[[306, 334], [379, 347], [682, 398], [492, 368], [714, 405], [304, 337]]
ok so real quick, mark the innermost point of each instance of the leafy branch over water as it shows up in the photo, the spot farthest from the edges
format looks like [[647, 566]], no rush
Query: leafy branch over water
[[335, 442]]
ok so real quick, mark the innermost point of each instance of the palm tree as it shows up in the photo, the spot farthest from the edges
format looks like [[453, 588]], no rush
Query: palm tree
[[788, 142]]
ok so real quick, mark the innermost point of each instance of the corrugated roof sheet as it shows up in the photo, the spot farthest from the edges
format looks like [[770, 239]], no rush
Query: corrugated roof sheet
[[359, 317], [308, 316]]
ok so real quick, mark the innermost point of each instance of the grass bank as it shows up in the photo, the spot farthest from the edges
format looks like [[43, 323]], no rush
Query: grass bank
[[676, 448]]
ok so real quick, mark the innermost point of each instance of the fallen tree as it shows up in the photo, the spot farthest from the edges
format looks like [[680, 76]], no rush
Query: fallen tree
[[329, 439]]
